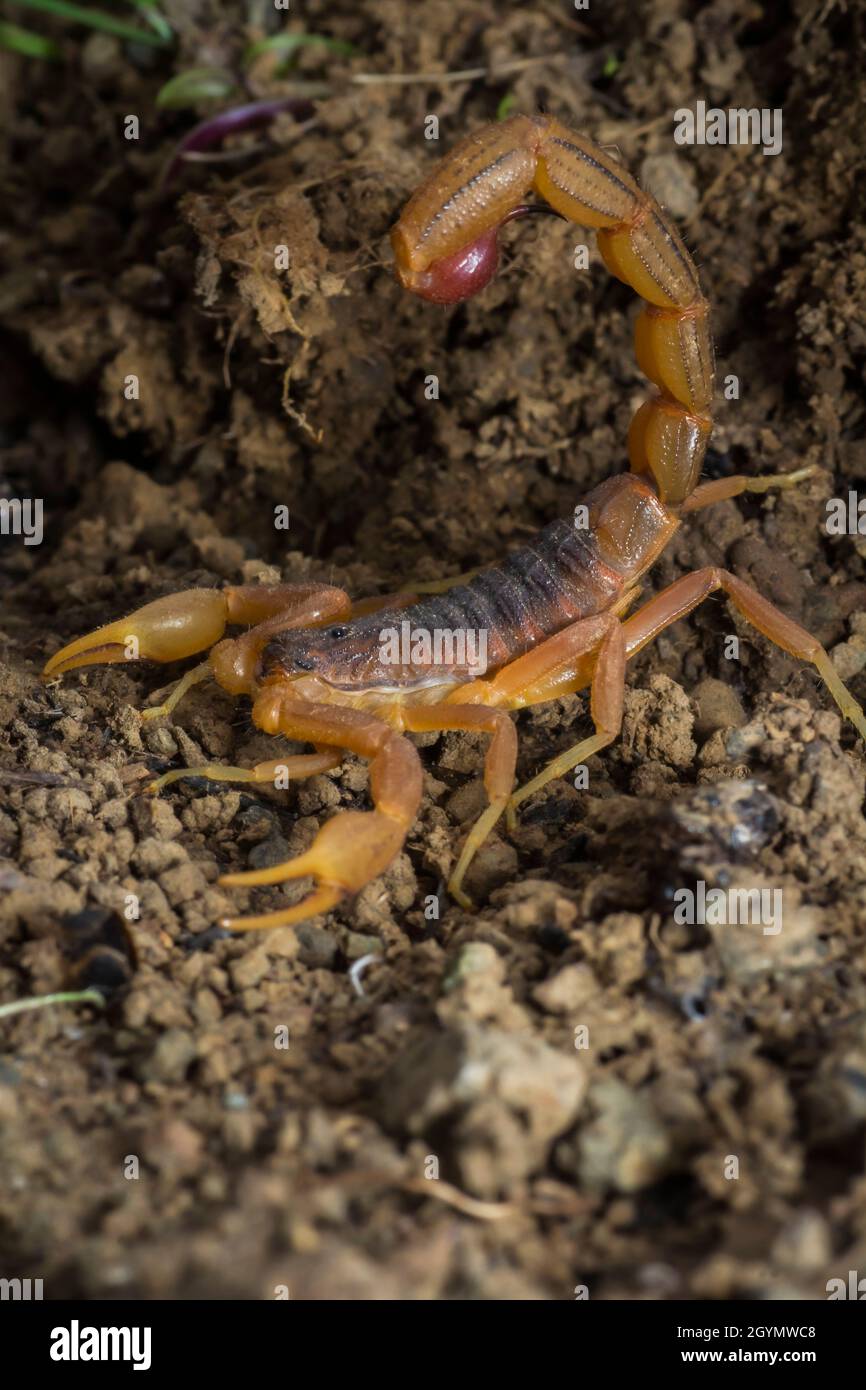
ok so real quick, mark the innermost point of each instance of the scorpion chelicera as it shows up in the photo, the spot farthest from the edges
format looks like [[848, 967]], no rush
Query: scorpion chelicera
[[554, 612]]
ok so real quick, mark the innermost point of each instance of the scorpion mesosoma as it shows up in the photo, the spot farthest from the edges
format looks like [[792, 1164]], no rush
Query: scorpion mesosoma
[[554, 611]]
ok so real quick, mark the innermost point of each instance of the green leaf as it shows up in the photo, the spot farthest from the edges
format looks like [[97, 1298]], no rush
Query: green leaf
[[157, 21], [503, 110], [611, 65], [93, 19], [195, 85], [18, 40], [286, 45]]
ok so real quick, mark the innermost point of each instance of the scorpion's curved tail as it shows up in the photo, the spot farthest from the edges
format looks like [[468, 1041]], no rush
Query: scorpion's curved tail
[[445, 248]]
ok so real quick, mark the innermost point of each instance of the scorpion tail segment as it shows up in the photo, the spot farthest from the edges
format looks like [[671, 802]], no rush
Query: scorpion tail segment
[[354, 846], [459, 276], [445, 249], [445, 241], [168, 629], [641, 247], [468, 270]]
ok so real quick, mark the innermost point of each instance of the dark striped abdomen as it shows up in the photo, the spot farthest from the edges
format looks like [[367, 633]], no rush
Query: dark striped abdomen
[[534, 593], [567, 572]]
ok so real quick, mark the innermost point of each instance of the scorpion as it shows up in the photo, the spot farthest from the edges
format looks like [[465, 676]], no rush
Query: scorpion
[[555, 611]]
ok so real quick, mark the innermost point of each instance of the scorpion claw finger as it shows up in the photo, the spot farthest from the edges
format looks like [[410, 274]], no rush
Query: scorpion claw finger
[[322, 900], [346, 854], [168, 629], [86, 651]]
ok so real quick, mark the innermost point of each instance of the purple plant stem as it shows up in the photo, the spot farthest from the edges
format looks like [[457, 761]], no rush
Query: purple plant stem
[[214, 129]]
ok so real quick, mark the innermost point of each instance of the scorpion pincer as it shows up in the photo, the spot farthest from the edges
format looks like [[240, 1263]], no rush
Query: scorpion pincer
[[555, 613]]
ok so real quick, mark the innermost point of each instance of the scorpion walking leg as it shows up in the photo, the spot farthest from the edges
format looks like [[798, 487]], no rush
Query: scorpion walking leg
[[685, 594], [195, 676], [498, 769], [441, 586], [722, 488], [589, 652], [559, 665], [354, 846], [292, 768]]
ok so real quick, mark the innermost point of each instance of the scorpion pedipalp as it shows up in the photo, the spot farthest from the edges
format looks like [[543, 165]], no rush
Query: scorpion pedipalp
[[169, 629], [354, 846]]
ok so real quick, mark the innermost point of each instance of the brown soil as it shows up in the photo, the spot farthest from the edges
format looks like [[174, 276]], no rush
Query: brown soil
[[309, 1166]]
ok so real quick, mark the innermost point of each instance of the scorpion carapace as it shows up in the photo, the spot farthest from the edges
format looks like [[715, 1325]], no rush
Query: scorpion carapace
[[553, 616]]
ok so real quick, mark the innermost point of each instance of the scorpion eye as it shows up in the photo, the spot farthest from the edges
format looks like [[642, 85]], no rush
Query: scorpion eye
[[338, 632]]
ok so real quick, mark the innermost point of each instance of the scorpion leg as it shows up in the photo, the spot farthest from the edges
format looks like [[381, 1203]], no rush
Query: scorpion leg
[[686, 593], [720, 489], [588, 652], [354, 846], [294, 767], [498, 769], [441, 586], [591, 651], [554, 667]]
